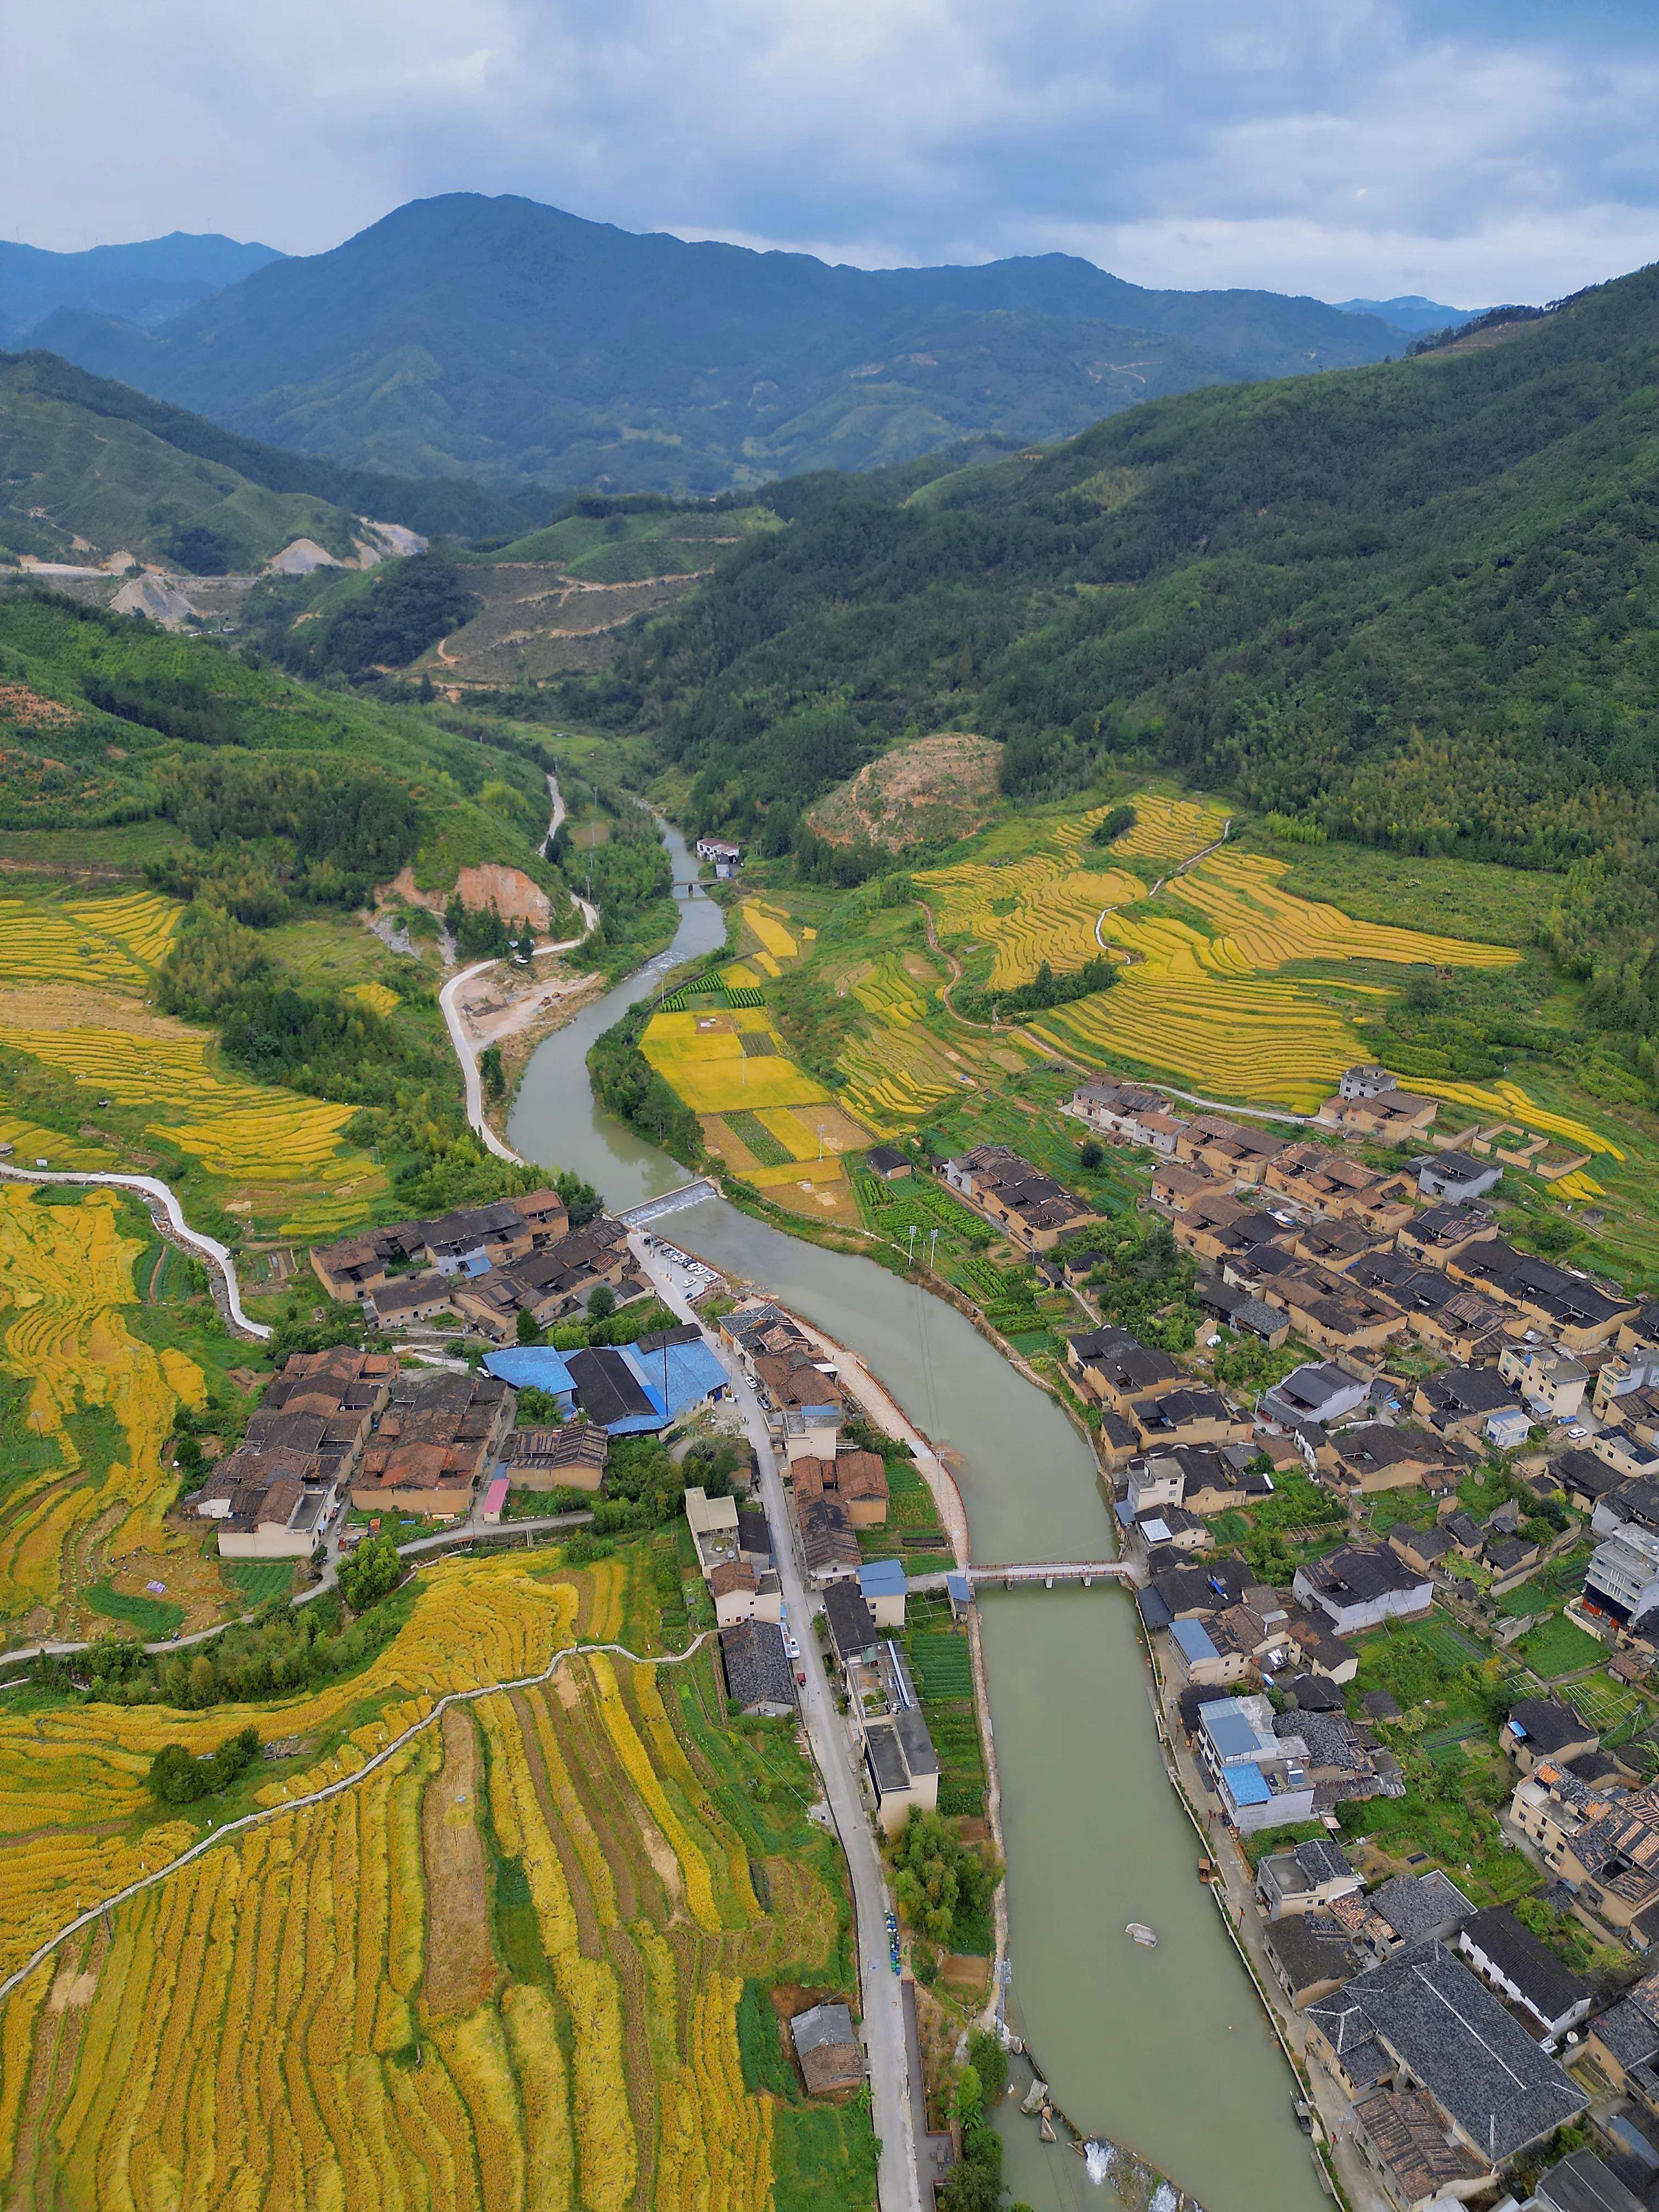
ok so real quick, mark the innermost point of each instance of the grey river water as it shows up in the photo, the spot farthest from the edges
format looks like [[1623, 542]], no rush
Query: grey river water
[[1165, 2050]]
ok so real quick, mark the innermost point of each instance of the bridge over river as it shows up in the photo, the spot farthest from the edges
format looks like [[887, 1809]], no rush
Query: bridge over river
[[1025, 1572]]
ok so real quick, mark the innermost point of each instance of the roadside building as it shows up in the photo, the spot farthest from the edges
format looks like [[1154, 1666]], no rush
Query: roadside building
[[1309, 1954], [903, 1766], [827, 2050], [1551, 1382], [853, 1634], [758, 1675], [1405, 2139], [1261, 1779], [1583, 2183], [1304, 1879], [883, 1587], [829, 1543], [1380, 1455]]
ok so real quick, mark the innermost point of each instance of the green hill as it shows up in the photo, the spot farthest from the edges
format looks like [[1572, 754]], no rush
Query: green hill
[[83, 459], [509, 341], [1412, 606]]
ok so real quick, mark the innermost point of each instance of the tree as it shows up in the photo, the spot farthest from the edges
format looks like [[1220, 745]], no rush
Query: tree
[[971, 2188], [490, 1070], [603, 1303], [990, 2061], [368, 1573], [1089, 1153], [527, 1331]]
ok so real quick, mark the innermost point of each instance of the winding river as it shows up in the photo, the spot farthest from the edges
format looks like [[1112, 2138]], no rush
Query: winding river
[[1166, 2050]]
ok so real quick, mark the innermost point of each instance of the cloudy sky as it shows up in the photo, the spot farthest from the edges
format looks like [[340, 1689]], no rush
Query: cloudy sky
[[1473, 150]]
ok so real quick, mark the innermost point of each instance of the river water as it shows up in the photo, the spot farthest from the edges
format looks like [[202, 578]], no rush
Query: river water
[[1165, 2050]]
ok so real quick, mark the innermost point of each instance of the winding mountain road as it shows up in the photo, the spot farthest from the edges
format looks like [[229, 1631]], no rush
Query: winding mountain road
[[169, 1216]]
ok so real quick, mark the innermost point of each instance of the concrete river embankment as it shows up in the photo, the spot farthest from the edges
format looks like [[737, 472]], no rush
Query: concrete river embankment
[[1166, 2050]]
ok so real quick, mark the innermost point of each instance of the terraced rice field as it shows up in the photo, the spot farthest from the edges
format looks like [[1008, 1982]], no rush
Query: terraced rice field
[[1200, 995], [378, 998], [1045, 907], [502, 1971], [1168, 829], [1200, 1000], [233, 1127], [898, 1071], [109, 941], [91, 1408]]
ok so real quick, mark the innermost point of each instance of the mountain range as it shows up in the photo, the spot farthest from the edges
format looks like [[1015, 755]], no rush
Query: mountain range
[[143, 283], [509, 342]]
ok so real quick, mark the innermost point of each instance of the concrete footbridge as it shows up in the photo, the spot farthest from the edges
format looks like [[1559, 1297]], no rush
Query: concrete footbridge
[[1024, 1572]]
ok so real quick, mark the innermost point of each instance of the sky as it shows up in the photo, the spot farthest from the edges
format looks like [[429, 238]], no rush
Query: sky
[[1472, 151]]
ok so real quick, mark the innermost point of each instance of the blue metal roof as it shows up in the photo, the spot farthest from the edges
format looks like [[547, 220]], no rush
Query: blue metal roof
[[1246, 1784], [693, 1373], [1233, 1736], [883, 1578], [534, 1367], [1195, 1642], [960, 1588]]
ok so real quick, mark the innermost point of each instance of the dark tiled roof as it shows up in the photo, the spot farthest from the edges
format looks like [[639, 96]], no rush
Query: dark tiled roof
[[1628, 2033], [1518, 1955], [1457, 2038], [757, 1669], [1548, 1727], [852, 1624], [607, 1387], [1413, 1903], [1309, 1948]]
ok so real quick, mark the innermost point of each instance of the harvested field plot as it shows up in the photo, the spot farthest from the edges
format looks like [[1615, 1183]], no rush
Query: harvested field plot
[[86, 1405], [709, 1069], [503, 1971]]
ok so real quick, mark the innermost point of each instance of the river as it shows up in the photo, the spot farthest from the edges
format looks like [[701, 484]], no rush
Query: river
[[1165, 2050]]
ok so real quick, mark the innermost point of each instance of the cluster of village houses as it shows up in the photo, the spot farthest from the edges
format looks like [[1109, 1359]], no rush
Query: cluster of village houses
[[839, 1493], [1442, 2025]]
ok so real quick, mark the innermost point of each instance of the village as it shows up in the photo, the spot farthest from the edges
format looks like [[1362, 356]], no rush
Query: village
[[1392, 1519]]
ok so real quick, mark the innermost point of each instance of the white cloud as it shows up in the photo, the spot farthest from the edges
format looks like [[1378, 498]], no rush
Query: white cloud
[[1331, 146]]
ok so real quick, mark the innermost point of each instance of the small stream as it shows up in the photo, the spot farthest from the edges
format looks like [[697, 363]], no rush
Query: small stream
[[1165, 2050]]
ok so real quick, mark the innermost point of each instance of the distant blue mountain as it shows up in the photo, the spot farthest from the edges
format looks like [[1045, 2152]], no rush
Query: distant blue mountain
[[1411, 311], [143, 283], [507, 342]]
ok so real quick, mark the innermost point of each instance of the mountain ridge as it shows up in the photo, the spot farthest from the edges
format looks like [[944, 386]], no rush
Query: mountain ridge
[[508, 341], [144, 282]]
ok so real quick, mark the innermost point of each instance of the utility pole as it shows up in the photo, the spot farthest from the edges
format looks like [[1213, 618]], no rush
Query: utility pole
[[933, 1257]]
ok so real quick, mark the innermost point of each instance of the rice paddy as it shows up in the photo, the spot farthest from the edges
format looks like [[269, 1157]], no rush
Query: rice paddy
[[700, 1056], [769, 928], [109, 941], [233, 1127], [503, 1971], [1202, 995], [89, 1408]]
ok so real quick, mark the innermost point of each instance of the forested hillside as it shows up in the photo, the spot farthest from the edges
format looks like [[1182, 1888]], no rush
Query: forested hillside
[[82, 457], [517, 343], [1411, 604]]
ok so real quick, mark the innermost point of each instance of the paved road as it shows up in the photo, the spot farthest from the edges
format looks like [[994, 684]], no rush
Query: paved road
[[893, 2110], [164, 1201]]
